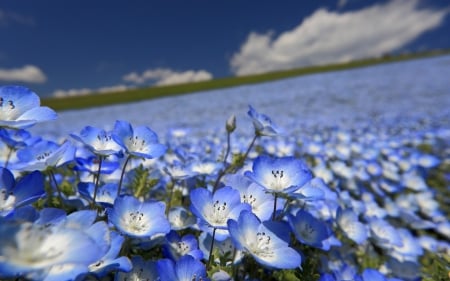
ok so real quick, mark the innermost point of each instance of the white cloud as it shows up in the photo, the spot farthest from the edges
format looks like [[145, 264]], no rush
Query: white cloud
[[86, 91], [326, 37], [28, 73], [165, 76]]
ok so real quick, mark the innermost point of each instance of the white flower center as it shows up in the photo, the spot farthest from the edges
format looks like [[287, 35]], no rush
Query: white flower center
[[307, 232], [7, 200], [7, 110], [137, 222], [136, 144], [262, 246], [277, 180], [218, 213]]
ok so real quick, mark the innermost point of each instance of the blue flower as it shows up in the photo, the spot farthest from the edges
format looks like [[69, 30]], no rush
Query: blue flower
[[186, 268], [141, 270], [309, 230], [250, 235], [214, 210], [176, 246], [16, 194], [106, 194], [262, 123], [180, 218], [20, 108], [98, 141], [383, 234], [279, 175], [138, 219], [44, 154], [348, 222], [140, 141], [110, 262], [35, 250]]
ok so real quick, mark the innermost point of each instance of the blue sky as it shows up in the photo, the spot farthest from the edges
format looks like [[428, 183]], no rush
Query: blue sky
[[76, 47]]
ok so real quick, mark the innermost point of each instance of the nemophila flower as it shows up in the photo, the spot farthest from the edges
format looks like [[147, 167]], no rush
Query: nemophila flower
[[16, 139], [139, 141], [44, 154], [180, 218], [214, 210], [106, 194], [33, 250], [26, 190], [253, 237], [20, 108], [220, 248], [99, 141], [138, 219], [261, 201], [176, 246], [110, 261], [186, 268], [352, 228], [370, 274], [313, 190], [262, 123], [383, 234], [279, 175], [309, 230], [141, 270], [410, 248], [404, 270], [91, 163]]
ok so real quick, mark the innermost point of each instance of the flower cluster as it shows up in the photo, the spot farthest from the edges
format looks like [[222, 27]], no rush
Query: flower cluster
[[367, 204]]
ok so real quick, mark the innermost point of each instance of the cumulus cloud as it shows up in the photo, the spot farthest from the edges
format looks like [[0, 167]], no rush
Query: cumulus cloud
[[326, 37], [28, 73], [87, 91], [165, 76]]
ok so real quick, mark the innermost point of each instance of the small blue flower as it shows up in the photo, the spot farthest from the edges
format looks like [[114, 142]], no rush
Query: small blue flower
[[98, 141], [348, 222], [279, 175], [138, 219], [180, 218], [214, 210], [309, 230], [44, 154], [250, 235], [176, 246], [262, 123], [110, 262], [140, 141], [106, 194], [186, 268], [20, 108], [23, 192], [383, 234], [141, 270]]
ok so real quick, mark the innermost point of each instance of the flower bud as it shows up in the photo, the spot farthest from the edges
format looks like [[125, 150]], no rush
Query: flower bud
[[231, 124]]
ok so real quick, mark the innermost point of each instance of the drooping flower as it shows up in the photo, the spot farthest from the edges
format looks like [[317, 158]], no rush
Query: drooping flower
[[250, 235], [138, 219], [141, 270], [279, 175], [214, 210], [20, 108], [262, 123]]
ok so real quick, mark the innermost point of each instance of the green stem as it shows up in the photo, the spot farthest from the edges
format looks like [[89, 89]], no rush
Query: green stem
[[97, 180], [211, 249], [227, 152], [229, 168], [53, 178], [121, 175], [274, 206]]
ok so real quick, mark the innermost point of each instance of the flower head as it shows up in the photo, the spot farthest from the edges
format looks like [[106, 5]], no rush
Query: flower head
[[262, 123], [250, 235], [20, 108], [279, 175], [139, 141], [214, 210], [98, 141], [138, 219]]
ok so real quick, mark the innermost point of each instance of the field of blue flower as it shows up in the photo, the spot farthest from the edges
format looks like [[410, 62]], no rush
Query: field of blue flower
[[337, 176]]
